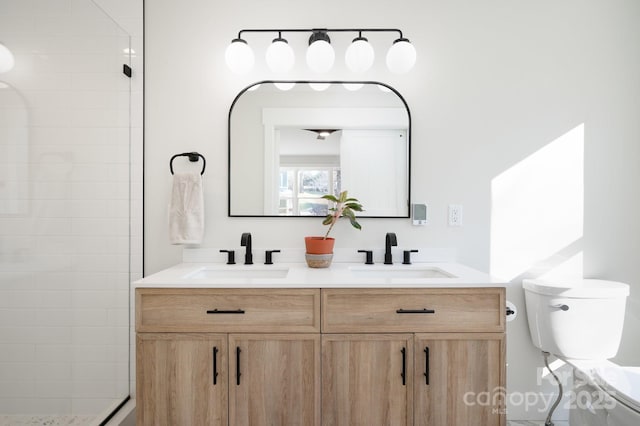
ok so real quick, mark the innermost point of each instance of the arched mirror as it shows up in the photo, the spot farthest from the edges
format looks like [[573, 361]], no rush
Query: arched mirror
[[292, 142]]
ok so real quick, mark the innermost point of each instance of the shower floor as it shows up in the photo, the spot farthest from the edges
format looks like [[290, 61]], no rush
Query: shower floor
[[46, 420]]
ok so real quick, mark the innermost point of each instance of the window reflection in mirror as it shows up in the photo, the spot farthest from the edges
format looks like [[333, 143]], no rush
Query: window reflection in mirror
[[289, 148]]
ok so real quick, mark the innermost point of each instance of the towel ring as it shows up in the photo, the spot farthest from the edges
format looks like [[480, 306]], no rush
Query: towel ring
[[193, 157]]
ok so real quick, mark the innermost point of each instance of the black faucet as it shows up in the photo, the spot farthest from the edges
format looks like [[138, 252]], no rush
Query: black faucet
[[390, 240], [245, 241]]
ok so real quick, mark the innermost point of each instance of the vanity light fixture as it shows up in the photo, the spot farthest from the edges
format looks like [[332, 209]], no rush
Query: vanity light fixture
[[320, 55], [359, 55], [239, 56], [279, 55], [7, 60]]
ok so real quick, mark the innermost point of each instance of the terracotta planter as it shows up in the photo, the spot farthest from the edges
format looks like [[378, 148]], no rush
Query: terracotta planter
[[319, 245]]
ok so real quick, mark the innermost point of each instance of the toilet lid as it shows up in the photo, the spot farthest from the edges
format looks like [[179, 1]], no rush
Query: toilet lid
[[578, 288], [622, 383]]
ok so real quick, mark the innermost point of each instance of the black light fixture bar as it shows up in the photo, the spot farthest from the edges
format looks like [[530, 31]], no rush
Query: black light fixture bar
[[359, 56], [326, 30]]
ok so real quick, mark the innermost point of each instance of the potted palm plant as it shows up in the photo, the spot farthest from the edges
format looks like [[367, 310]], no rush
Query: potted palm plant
[[320, 249]]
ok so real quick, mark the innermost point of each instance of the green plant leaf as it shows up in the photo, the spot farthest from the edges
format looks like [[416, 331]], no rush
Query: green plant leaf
[[330, 198], [355, 206]]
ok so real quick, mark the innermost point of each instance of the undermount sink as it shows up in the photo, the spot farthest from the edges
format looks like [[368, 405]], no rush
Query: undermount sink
[[400, 272], [237, 272]]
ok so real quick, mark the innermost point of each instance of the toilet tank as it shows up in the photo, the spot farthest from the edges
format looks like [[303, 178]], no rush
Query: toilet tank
[[580, 319]]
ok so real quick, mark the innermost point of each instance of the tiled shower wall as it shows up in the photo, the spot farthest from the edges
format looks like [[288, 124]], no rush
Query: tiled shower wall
[[70, 209]]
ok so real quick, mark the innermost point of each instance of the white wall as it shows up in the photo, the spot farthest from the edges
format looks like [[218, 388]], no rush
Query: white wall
[[495, 82]]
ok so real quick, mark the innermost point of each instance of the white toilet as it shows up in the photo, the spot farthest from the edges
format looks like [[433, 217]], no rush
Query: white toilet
[[581, 322]]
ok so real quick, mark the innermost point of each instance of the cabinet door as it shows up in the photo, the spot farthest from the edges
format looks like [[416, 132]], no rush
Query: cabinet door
[[274, 379], [176, 380], [367, 379], [459, 379]]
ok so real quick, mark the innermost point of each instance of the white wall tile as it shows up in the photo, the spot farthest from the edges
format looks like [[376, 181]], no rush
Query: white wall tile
[[14, 352], [56, 353], [50, 371], [17, 389], [54, 389], [17, 371], [53, 7]]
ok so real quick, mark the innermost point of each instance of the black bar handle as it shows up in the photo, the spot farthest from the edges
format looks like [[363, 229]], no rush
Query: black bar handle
[[404, 366], [222, 311], [416, 311], [238, 374], [426, 365], [215, 365]]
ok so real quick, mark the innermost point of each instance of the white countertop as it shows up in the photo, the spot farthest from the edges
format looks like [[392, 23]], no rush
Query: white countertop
[[299, 275]]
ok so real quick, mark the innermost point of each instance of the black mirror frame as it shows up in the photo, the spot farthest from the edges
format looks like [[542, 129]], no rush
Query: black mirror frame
[[404, 102]]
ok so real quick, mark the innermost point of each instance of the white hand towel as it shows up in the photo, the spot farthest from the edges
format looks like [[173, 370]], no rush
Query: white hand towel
[[186, 209]]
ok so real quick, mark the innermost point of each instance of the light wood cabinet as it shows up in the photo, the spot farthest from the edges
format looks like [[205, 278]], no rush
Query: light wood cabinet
[[424, 356], [459, 379], [186, 336], [454, 370], [175, 379], [367, 379], [274, 379], [228, 310]]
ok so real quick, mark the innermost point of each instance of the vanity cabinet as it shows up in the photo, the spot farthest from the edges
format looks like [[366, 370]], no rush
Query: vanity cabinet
[[197, 363], [330, 356], [413, 356]]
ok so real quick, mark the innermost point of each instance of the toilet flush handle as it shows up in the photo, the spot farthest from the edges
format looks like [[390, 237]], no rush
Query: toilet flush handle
[[561, 306]]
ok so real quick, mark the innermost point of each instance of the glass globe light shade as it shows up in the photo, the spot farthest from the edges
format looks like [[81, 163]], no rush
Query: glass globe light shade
[[401, 56], [359, 55], [320, 56], [7, 60], [279, 56], [239, 56]]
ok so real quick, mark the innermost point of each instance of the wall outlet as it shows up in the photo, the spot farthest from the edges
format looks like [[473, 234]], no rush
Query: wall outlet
[[455, 214]]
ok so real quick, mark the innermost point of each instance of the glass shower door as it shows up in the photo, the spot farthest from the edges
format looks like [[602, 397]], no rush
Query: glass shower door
[[64, 215]]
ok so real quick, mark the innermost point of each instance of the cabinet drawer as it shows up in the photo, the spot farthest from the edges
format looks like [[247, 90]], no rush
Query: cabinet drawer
[[227, 310], [413, 310]]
